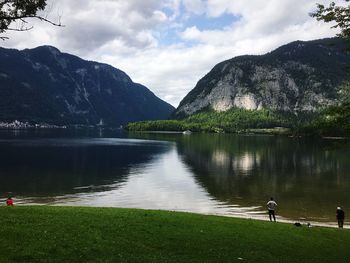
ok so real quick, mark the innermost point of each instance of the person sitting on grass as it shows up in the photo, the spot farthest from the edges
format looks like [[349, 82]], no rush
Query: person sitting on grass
[[9, 201], [271, 206]]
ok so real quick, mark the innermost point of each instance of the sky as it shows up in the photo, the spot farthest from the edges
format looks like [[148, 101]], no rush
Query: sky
[[169, 45]]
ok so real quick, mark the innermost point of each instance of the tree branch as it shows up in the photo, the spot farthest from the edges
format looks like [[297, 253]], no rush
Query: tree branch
[[31, 16], [21, 11], [20, 29]]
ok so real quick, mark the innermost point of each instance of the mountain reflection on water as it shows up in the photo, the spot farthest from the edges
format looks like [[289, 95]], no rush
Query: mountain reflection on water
[[50, 167], [207, 173], [308, 178]]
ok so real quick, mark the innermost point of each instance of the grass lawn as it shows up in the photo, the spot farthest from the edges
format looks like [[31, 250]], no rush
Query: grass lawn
[[75, 234]]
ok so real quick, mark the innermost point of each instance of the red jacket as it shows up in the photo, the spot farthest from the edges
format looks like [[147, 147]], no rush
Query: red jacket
[[9, 202]]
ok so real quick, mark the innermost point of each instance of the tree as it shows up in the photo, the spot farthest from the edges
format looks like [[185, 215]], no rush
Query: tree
[[19, 11], [339, 14], [335, 120]]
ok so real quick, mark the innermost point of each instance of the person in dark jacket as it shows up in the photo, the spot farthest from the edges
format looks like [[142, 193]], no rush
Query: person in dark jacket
[[340, 217]]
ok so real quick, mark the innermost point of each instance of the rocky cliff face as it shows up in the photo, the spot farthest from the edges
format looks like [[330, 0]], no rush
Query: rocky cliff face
[[298, 77], [44, 85]]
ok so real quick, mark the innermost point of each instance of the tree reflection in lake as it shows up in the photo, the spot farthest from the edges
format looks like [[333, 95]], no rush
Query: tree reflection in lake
[[308, 177], [51, 167]]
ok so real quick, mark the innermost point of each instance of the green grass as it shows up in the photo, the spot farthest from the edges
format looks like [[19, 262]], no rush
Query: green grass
[[72, 234]]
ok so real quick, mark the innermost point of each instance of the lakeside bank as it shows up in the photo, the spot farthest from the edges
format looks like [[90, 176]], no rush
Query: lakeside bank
[[81, 234]]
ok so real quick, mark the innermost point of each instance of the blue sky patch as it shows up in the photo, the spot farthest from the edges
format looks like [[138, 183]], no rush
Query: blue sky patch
[[211, 23], [170, 36]]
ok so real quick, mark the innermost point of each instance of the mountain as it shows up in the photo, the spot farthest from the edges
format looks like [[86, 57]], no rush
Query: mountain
[[43, 85], [298, 77]]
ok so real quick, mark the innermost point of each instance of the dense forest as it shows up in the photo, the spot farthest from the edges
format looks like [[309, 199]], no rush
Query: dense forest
[[333, 121], [234, 120]]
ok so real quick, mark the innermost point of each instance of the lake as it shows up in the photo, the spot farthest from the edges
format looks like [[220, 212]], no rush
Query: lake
[[224, 174]]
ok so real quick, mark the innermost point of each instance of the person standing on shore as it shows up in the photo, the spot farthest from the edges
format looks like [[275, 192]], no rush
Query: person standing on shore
[[340, 217], [271, 206]]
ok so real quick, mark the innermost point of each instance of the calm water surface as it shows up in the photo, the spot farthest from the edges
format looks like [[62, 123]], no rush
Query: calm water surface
[[206, 173]]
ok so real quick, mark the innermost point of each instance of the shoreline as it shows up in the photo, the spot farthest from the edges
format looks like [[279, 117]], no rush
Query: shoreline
[[264, 132], [248, 133], [280, 219]]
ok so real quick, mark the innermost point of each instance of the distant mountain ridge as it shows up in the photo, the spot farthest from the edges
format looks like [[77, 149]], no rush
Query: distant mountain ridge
[[44, 85], [303, 76]]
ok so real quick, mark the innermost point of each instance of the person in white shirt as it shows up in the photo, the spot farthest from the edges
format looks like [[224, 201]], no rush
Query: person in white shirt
[[271, 206]]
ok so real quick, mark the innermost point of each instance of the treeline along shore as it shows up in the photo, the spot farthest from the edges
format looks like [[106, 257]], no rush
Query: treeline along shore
[[333, 121]]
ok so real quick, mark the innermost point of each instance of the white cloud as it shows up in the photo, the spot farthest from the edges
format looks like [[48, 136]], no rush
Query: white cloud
[[127, 34], [197, 7]]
